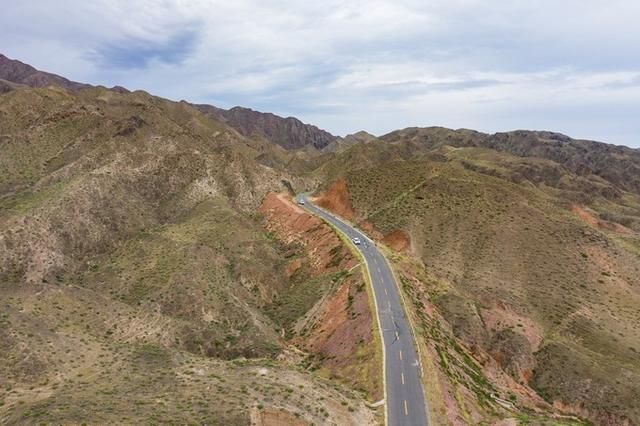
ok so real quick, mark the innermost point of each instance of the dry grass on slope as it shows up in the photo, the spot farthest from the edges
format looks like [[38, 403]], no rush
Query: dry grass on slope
[[504, 243], [132, 262]]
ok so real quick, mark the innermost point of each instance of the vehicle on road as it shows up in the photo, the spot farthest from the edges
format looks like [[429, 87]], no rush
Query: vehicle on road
[[404, 396], [301, 202]]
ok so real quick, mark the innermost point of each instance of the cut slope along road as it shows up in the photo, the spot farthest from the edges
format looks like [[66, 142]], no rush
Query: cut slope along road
[[404, 396]]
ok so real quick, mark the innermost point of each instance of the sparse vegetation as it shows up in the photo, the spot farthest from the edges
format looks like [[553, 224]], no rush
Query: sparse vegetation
[[136, 272], [527, 256], [134, 262]]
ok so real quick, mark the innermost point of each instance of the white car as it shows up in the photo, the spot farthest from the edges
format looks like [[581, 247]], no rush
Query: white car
[[356, 241], [301, 202]]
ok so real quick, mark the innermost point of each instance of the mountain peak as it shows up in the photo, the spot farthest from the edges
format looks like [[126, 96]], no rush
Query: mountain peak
[[18, 72], [289, 132]]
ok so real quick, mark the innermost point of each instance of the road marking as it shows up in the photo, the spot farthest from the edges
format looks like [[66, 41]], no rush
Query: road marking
[[385, 291], [338, 224], [402, 377], [401, 355]]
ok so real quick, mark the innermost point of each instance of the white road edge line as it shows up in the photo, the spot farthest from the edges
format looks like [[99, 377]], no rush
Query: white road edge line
[[384, 350], [413, 333], [404, 302], [378, 320]]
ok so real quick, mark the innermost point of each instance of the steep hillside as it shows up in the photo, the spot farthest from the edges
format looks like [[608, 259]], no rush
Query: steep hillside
[[290, 133], [530, 262], [133, 262], [150, 248]]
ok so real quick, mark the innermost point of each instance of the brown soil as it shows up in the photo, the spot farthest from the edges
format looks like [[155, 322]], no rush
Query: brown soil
[[368, 227], [594, 222], [515, 359], [336, 199], [397, 240], [341, 334], [275, 417], [338, 331], [293, 266], [291, 224], [499, 316]]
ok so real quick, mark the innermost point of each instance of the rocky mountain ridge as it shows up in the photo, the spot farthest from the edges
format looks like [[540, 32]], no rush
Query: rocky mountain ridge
[[289, 132], [151, 248], [17, 72], [619, 165], [134, 261], [528, 260]]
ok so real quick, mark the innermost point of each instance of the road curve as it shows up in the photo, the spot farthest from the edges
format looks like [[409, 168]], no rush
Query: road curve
[[404, 397]]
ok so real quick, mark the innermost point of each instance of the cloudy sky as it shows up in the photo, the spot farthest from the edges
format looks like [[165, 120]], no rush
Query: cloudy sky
[[571, 66]]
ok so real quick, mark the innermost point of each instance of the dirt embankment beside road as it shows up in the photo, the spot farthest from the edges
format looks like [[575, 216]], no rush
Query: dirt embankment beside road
[[337, 332], [292, 224], [336, 199]]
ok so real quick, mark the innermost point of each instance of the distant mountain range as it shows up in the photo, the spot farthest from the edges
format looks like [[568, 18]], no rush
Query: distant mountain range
[[16, 72], [619, 165], [151, 248], [290, 133]]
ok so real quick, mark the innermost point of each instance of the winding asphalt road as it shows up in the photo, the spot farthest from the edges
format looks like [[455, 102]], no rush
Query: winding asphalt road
[[404, 397]]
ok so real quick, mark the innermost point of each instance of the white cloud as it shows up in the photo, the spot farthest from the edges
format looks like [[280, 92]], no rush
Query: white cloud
[[571, 66]]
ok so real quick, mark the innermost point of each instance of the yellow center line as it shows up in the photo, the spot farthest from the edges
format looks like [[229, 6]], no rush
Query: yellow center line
[[406, 412]]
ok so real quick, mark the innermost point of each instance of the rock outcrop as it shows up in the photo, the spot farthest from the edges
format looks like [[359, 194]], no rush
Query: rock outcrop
[[290, 133]]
